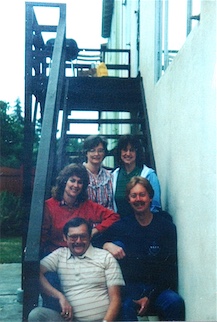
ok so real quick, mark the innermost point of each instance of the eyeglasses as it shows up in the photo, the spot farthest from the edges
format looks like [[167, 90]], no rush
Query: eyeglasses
[[100, 151], [75, 237]]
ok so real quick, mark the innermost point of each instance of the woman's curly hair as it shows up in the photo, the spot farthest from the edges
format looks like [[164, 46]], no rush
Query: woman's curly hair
[[70, 170], [135, 143]]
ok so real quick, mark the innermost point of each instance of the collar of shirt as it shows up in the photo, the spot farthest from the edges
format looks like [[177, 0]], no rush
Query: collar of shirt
[[100, 171], [102, 178], [88, 254], [63, 203], [98, 174], [135, 172]]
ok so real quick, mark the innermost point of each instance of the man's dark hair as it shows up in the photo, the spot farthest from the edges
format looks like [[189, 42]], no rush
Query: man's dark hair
[[76, 222]]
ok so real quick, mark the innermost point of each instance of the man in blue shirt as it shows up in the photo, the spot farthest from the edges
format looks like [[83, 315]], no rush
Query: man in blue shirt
[[147, 253]]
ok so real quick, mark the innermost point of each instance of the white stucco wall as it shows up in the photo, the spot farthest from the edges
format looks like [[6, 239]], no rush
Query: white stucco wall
[[182, 115]]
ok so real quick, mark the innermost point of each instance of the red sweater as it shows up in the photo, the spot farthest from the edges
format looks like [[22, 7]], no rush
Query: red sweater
[[56, 216]]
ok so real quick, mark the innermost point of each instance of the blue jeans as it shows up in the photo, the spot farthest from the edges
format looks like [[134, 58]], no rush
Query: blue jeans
[[48, 301], [169, 306]]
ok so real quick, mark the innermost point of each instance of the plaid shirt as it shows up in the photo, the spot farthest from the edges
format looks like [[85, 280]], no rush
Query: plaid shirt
[[100, 188]]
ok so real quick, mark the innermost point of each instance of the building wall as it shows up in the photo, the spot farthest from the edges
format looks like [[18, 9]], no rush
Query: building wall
[[124, 33], [182, 114]]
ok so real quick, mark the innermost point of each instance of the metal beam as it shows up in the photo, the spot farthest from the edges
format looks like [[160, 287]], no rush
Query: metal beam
[[106, 121], [44, 169]]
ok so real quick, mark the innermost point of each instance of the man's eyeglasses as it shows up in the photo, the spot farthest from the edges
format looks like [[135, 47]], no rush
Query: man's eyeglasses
[[100, 151], [75, 237]]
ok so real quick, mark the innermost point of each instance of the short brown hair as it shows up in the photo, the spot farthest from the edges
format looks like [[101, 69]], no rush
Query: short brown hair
[[139, 180], [93, 141]]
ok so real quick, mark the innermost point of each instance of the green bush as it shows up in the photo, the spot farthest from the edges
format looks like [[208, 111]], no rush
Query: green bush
[[11, 250], [11, 214]]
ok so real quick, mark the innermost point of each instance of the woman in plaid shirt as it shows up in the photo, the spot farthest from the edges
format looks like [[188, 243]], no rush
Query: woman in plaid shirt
[[100, 179]]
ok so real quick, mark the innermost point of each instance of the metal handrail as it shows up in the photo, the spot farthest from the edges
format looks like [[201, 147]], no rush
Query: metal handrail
[[83, 59]]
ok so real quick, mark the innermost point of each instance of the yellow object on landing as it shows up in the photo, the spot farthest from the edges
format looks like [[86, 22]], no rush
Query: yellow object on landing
[[101, 70]]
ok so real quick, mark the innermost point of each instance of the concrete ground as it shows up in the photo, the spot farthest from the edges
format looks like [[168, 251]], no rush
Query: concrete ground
[[10, 283]]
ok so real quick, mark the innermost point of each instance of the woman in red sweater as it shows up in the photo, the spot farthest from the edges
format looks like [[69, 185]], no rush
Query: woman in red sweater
[[69, 200]]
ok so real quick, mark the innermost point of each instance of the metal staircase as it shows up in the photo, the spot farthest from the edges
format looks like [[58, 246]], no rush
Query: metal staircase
[[51, 92]]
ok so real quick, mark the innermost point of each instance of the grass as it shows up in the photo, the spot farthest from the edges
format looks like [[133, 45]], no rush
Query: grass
[[10, 250]]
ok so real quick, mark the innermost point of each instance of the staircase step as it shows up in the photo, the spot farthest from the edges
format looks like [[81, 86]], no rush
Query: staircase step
[[108, 136], [106, 121], [104, 94]]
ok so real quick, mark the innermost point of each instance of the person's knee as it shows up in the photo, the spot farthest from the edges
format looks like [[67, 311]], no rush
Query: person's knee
[[176, 300], [34, 315], [170, 297], [180, 302], [171, 305], [180, 306], [42, 314]]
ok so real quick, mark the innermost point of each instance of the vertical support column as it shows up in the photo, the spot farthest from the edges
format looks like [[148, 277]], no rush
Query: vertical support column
[[64, 127], [28, 127], [165, 31], [158, 40], [189, 14], [45, 164]]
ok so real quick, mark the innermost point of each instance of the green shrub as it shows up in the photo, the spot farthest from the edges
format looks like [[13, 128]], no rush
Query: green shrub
[[11, 250], [11, 214]]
